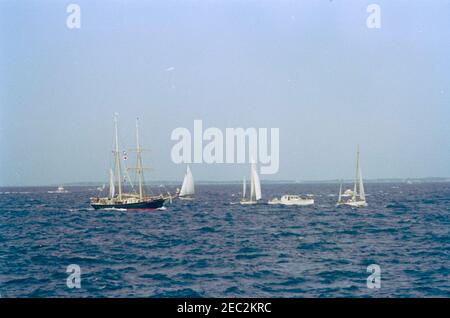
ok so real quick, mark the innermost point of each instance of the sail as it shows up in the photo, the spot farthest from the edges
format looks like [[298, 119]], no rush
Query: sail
[[111, 184], [256, 182], [187, 188], [252, 185], [355, 189], [340, 193], [362, 194], [244, 187]]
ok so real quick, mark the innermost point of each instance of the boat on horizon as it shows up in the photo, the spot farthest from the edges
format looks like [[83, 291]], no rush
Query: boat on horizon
[[358, 198], [135, 200], [60, 189]]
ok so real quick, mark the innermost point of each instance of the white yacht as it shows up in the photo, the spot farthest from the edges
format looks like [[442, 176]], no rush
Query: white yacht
[[290, 199], [60, 189]]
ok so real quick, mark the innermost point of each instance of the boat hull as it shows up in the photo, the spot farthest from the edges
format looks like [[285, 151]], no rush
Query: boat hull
[[356, 204], [146, 205], [353, 204], [248, 202], [186, 198], [295, 203]]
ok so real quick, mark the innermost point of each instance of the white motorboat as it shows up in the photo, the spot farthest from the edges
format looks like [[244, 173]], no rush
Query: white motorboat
[[60, 189], [290, 199]]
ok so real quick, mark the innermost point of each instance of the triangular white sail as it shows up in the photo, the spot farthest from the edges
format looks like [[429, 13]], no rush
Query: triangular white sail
[[362, 194], [255, 187], [256, 183], [340, 193], [187, 189], [112, 188]]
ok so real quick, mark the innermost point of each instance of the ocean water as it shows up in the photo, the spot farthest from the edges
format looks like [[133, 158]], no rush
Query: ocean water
[[211, 248]]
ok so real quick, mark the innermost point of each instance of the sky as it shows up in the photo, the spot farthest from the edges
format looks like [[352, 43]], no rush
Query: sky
[[311, 68]]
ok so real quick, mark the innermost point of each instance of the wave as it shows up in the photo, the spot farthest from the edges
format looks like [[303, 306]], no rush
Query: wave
[[115, 209]]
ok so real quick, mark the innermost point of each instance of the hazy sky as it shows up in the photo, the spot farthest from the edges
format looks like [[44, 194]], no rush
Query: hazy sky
[[311, 68]]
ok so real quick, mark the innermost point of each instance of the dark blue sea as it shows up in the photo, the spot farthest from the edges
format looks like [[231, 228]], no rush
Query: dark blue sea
[[211, 248]]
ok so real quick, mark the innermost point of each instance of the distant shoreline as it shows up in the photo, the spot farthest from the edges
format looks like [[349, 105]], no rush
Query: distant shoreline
[[206, 182]]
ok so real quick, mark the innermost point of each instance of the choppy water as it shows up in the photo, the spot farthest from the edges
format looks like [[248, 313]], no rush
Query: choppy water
[[211, 248]]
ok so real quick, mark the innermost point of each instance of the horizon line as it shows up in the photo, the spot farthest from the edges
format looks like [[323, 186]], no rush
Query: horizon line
[[280, 181]]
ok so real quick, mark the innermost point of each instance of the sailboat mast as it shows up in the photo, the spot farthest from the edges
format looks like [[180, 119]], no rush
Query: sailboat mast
[[355, 192], [244, 186], [139, 160], [119, 177]]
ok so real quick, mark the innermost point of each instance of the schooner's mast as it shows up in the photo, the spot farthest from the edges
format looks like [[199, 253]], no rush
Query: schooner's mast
[[139, 160], [119, 178]]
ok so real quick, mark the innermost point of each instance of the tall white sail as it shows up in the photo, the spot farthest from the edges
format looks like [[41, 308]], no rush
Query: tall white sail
[[187, 188], [340, 193], [252, 185], [112, 188], [255, 187], [362, 194], [256, 183]]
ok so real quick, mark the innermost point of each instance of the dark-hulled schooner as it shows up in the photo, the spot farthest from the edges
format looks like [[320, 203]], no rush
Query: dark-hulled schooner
[[136, 200]]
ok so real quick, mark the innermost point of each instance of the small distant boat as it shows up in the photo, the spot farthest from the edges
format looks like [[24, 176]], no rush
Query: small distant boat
[[60, 189], [255, 187], [358, 198], [137, 200], [290, 199], [187, 189]]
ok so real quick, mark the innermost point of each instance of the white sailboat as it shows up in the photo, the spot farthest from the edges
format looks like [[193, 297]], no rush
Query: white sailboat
[[187, 189], [358, 198], [255, 187]]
